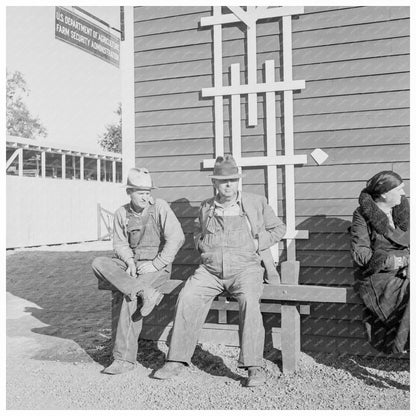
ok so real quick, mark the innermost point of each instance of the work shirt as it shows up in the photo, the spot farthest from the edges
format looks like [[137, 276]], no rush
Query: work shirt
[[233, 209], [170, 232]]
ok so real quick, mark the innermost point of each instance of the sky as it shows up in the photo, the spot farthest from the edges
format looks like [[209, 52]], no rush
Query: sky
[[73, 93]]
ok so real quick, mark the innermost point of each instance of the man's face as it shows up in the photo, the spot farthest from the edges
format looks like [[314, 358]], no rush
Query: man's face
[[394, 196], [139, 198], [227, 188]]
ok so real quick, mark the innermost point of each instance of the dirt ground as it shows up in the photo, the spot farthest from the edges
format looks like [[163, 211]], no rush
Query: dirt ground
[[58, 342]]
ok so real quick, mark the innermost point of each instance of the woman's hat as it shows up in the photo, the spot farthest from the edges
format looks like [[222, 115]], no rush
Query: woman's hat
[[139, 178], [383, 182], [225, 168]]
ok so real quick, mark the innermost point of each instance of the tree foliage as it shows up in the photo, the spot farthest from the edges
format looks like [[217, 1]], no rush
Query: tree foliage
[[19, 121], [111, 139]]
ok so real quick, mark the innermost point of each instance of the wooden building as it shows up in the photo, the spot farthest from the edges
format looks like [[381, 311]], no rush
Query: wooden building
[[354, 106]]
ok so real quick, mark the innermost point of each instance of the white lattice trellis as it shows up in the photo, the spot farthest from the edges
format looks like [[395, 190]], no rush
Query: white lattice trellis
[[250, 16]]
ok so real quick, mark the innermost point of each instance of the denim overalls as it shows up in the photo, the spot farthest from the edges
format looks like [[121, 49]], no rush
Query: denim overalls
[[126, 321], [229, 262]]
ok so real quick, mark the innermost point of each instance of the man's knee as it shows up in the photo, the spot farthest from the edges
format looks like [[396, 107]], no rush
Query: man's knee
[[189, 295], [99, 263], [249, 300]]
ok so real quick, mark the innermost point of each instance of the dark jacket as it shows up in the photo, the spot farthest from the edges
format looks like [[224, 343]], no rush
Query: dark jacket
[[384, 289]]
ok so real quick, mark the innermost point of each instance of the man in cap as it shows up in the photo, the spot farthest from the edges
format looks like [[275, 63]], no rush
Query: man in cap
[[232, 230], [147, 236]]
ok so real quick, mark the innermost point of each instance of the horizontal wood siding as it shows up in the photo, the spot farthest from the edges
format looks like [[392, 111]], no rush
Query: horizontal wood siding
[[356, 107]]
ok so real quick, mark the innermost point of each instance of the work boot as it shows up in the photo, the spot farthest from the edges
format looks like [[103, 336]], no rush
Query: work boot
[[151, 298], [256, 377], [119, 367], [170, 370]]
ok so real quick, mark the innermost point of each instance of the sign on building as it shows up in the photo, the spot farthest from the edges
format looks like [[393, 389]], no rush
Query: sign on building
[[83, 34]]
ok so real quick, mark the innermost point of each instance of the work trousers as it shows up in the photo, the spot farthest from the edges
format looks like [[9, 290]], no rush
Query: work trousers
[[193, 305], [127, 322]]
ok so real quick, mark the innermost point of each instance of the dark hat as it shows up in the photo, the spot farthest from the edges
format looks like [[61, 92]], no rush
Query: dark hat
[[382, 182], [139, 178], [225, 168]]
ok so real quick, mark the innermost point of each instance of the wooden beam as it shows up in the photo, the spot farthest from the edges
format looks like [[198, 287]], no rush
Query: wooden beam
[[220, 305], [260, 14], [98, 169], [81, 167], [252, 67], [264, 161], [288, 293], [297, 234], [290, 338], [113, 171], [245, 16], [43, 164], [63, 163], [218, 100], [309, 293], [20, 155], [12, 158], [235, 113], [289, 136], [271, 136], [256, 88]]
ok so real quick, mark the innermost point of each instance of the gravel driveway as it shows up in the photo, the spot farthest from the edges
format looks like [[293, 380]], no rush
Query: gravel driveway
[[58, 343]]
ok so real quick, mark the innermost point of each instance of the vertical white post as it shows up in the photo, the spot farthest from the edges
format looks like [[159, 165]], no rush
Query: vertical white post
[[271, 136], [236, 118], [43, 164], [63, 166], [218, 100], [81, 168], [20, 162], [98, 169], [235, 113], [114, 170], [289, 138], [271, 146], [127, 91], [252, 66]]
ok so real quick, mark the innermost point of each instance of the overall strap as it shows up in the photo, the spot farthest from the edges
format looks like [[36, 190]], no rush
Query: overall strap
[[145, 219], [206, 218]]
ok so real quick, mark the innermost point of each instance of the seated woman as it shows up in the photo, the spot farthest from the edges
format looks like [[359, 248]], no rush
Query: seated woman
[[380, 247]]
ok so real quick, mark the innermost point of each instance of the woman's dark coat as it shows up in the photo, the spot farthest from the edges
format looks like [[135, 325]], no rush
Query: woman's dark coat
[[384, 290]]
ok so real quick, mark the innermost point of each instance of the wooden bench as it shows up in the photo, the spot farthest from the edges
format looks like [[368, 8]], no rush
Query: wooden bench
[[290, 301]]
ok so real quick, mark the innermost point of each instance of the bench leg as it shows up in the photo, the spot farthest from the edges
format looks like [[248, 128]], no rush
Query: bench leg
[[290, 340]]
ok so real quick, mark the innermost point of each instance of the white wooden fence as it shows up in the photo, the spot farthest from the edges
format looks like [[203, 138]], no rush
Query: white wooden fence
[[43, 210]]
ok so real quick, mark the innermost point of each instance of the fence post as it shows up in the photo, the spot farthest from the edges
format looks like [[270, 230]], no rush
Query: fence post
[[99, 220]]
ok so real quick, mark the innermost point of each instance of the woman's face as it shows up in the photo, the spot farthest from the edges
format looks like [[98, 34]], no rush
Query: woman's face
[[394, 196]]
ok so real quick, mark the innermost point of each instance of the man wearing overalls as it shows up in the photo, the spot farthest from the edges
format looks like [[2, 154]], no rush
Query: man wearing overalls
[[147, 236], [233, 228]]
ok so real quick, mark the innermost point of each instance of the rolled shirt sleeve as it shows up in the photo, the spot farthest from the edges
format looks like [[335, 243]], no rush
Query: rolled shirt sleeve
[[120, 238], [172, 233], [274, 228]]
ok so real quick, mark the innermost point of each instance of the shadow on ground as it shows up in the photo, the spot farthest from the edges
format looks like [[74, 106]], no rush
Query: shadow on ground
[[64, 288], [361, 368]]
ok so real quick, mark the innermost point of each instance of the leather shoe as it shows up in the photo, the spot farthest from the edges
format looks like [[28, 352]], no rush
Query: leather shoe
[[170, 370], [119, 367], [151, 298], [256, 377]]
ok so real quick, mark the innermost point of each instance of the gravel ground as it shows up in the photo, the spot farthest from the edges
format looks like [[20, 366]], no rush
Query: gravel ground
[[58, 343]]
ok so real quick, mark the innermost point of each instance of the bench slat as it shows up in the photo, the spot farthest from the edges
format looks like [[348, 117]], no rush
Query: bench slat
[[309, 293], [220, 305], [289, 293]]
